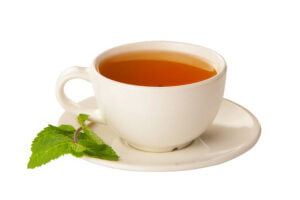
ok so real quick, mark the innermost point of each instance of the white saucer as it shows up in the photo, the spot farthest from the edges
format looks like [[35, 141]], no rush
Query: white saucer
[[233, 132]]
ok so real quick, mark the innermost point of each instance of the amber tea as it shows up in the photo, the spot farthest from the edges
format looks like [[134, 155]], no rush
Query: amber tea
[[156, 68]]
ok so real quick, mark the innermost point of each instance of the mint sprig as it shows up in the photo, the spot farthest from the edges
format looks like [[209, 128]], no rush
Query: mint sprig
[[53, 142]]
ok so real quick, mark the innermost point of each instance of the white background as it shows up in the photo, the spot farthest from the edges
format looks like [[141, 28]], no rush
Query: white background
[[259, 40]]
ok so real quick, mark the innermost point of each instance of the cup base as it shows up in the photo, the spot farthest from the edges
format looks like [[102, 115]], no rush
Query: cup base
[[157, 150], [234, 131]]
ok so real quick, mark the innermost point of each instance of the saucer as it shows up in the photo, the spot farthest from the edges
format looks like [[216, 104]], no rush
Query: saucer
[[234, 131]]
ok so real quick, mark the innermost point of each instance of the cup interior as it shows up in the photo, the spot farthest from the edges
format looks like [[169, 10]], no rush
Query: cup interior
[[180, 52]]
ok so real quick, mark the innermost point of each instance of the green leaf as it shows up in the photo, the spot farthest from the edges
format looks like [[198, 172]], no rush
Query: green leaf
[[68, 128], [81, 120], [42, 157], [50, 135], [53, 142], [78, 147], [102, 151], [78, 150], [50, 144], [95, 145]]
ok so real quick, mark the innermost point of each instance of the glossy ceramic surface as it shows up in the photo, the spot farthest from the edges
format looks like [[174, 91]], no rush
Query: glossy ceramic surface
[[234, 131], [156, 119]]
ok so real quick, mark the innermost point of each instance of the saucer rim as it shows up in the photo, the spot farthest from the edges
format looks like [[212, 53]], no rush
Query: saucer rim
[[185, 166]]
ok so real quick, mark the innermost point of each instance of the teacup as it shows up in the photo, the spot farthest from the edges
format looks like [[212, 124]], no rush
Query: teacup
[[155, 119]]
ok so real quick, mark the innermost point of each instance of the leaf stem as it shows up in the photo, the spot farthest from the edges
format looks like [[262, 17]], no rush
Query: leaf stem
[[75, 137]]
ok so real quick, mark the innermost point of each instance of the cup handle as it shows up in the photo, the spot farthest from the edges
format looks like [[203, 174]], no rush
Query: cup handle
[[69, 105]]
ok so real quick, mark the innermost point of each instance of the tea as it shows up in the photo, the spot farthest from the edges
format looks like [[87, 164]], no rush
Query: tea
[[156, 68]]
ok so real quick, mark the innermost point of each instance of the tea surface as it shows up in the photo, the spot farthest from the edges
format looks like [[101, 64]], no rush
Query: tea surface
[[156, 69]]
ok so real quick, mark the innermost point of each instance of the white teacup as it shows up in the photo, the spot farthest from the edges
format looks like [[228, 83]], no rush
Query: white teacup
[[156, 119]]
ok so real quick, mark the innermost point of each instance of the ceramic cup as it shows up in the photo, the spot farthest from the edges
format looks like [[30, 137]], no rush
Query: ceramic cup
[[155, 119]]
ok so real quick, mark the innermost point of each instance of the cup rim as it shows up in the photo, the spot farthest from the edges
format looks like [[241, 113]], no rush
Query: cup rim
[[198, 83]]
